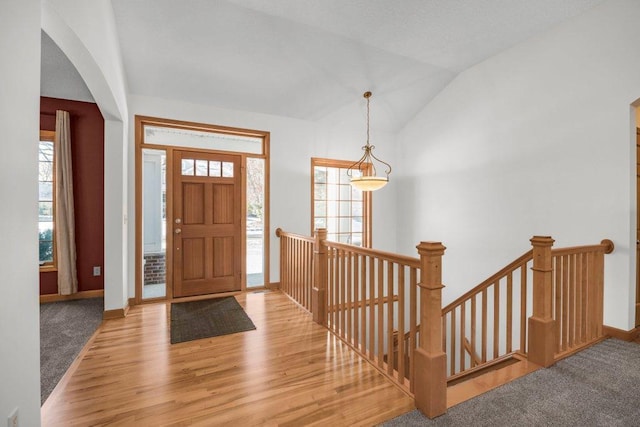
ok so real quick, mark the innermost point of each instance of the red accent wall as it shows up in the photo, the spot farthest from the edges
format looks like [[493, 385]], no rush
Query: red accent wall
[[87, 148]]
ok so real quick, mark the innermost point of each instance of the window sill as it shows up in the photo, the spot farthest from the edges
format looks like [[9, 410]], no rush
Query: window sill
[[48, 268]]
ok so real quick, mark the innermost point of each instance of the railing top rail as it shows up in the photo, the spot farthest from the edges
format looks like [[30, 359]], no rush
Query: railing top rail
[[387, 256], [514, 265], [605, 246], [281, 233]]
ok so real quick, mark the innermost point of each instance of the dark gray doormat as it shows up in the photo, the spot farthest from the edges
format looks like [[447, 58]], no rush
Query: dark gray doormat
[[195, 320]]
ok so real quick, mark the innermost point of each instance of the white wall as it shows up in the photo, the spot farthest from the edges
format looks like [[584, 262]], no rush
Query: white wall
[[19, 119], [293, 142], [538, 140], [85, 32], [93, 24]]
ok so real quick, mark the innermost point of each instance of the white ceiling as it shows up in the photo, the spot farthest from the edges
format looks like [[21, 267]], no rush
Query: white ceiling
[[308, 58]]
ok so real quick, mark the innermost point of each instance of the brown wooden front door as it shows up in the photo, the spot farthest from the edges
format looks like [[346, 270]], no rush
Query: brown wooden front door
[[207, 220]]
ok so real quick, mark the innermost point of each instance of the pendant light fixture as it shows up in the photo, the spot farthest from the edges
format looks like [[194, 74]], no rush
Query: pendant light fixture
[[366, 178]]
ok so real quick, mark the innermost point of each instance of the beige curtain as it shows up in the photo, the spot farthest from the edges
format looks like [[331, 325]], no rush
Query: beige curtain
[[64, 222]]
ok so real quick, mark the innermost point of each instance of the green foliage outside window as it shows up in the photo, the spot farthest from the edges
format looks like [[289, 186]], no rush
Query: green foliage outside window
[[46, 246]]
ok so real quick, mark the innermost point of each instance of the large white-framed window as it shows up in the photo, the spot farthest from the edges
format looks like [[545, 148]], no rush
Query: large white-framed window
[[344, 211], [46, 201]]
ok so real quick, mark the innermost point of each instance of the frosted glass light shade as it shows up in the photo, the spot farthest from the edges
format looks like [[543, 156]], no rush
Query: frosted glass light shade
[[369, 183]]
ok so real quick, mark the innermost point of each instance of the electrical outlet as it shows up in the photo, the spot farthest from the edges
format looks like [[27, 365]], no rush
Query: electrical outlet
[[12, 421], [96, 270]]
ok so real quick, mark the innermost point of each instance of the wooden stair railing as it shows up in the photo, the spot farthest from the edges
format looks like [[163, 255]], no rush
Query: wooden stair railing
[[368, 298], [296, 267], [544, 305], [491, 317], [577, 296]]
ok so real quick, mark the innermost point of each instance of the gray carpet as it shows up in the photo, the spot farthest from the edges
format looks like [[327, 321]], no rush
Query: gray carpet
[[207, 318], [599, 386], [65, 327]]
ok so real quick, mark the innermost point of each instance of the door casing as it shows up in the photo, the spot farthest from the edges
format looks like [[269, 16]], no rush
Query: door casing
[[140, 122]]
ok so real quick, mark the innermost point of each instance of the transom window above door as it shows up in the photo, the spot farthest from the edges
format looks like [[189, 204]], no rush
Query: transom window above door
[[344, 211]]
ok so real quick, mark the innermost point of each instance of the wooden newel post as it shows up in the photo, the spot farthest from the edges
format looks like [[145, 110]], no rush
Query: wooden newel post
[[430, 374], [319, 292], [542, 337]]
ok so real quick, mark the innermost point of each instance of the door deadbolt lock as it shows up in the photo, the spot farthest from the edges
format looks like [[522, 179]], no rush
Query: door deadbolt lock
[[178, 220]]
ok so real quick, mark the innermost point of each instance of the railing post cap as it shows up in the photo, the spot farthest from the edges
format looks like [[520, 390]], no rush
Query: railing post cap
[[435, 248], [321, 231], [278, 232], [542, 241], [609, 246]]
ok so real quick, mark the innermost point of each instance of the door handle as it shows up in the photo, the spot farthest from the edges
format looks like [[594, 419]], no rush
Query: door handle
[[178, 231]]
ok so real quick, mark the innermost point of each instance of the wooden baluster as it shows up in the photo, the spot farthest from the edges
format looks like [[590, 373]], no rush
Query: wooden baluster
[[348, 287], [372, 306], [319, 295], [572, 298], [430, 361], [599, 313], [509, 304], [473, 330], [496, 319], [279, 235], [542, 339], [363, 307], [380, 322], [401, 331], [463, 335], [452, 346], [390, 293], [342, 281], [523, 309], [484, 325], [356, 301]]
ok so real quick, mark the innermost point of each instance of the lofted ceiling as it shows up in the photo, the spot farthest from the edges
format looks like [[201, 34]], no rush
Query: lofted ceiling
[[308, 58]]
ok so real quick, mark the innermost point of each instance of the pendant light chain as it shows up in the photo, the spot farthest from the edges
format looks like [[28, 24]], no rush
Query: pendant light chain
[[368, 99]]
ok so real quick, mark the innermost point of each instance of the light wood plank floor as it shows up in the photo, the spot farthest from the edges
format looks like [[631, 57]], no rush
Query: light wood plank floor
[[288, 372]]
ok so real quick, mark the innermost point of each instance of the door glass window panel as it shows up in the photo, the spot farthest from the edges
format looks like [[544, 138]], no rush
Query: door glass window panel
[[227, 170], [201, 168], [187, 167], [336, 205], [215, 168]]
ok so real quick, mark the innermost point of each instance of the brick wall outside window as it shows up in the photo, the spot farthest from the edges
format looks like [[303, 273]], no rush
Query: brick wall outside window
[[154, 269]]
